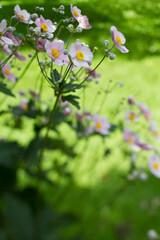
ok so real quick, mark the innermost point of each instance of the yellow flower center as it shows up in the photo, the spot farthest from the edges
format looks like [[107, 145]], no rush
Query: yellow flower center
[[130, 140], [118, 39], [6, 71], [98, 125], [25, 107], [55, 53], [80, 55], [131, 117], [156, 165], [44, 27], [21, 16], [75, 13]]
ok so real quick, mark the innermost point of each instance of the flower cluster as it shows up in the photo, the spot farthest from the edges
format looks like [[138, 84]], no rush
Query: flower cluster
[[141, 110]]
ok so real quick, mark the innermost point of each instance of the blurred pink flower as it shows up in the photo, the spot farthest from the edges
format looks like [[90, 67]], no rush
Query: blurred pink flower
[[131, 100], [145, 111], [7, 73], [93, 74], [3, 39], [154, 165], [101, 124], [80, 54], [24, 104], [22, 15], [41, 44], [55, 51], [118, 39], [67, 111], [83, 22], [130, 117], [154, 130], [46, 26]]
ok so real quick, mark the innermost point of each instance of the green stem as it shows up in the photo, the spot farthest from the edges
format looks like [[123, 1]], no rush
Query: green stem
[[44, 143]]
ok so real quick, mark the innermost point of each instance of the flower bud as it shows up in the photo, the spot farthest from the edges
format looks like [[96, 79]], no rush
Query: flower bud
[[70, 27], [61, 12], [54, 9], [65, 52], [37, 30], [152, 234], [42, 9], [106, 43], [30, 54], [37, 8], [42, 62], [14, 17], [34, 16], [61, 7], [31, 29], [106, 51], [112, 56], [79, 29]]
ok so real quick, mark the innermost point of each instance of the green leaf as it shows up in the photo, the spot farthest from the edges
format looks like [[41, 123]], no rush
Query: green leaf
[[71, 87], [71, 99], [56, 75], [5, 90]]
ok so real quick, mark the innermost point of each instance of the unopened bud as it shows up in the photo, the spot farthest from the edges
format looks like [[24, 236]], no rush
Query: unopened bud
[[37, 8], [65, 52], [79, 29], [112, 56], [30, 55], [106, 43], [61, 7], [34, 16], [31, 29], [61, 12], [70, 27], [42, 9], [95, 48], [152, 234], [42, 62], [54, 9]]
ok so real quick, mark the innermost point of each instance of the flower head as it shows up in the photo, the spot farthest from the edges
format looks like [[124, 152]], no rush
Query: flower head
[[101, 124], [145, 111], [76, 12], [3, 39], [24, 104], [55, 51], [45, 26], [83, 22], [118, 39], [7, 73], [80, 54], [154, 130], [131, 117], [154, 165], [22, 15]]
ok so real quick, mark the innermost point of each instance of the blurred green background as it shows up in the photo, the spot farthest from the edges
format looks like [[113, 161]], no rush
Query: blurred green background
[[98, 202]]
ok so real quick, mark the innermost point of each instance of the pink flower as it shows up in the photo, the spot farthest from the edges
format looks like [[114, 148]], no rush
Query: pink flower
[[67, 111], [55, 51], [145, 111], [80, 54], [8, 51], [46, 26], [131, 100], [76, 12], [22, 15], [0, 5], [3, 39], [154, 165], [131, 117], [24, 104], [41, 44], [154, 130], [16, 41], [83, 22], [134, 140], [118, 39], [101, 125], [93, 74], [7, 73]]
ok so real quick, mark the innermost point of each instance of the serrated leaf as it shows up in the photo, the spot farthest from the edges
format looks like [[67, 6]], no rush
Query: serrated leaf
[[56, 75], [71, 99], [5, 90], [71, 87]]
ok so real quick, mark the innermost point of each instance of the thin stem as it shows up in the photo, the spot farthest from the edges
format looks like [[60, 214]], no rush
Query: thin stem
[[44, 143]]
